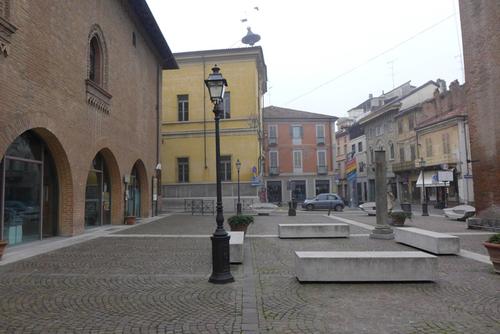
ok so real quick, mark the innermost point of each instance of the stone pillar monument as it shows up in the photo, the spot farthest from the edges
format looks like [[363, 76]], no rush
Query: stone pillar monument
[[382, 229]]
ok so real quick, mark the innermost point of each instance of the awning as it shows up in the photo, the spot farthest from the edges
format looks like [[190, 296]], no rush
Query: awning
[[430, 180]]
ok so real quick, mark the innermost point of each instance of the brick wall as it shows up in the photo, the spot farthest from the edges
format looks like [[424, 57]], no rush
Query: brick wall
[[481, 42], [42, 87]]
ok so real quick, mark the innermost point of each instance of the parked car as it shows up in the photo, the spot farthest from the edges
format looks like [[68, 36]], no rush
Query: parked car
[[370, 208], [460, 212], [324, 201]]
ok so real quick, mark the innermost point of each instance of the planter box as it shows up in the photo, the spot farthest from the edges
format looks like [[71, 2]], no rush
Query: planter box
[[494, 251]]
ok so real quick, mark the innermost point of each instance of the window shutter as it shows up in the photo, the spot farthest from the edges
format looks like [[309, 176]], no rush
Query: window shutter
[[301, 132]]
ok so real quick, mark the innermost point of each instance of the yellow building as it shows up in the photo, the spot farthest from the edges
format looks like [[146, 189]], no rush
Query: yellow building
[[187, 131]]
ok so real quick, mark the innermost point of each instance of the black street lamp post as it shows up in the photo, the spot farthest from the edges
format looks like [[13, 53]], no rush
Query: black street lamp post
[[238, 205], [425, 211], [221, 273]]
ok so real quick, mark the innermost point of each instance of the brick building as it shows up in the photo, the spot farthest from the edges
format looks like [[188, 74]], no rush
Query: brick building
[[80, 86], [481, 42], [298, 147]]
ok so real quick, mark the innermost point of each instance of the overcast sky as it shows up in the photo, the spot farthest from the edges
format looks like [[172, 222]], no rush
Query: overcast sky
[[326, 56]]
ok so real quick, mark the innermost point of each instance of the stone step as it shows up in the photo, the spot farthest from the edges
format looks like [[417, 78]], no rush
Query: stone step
[[338, 230], [330, 266], [236, 246], [433, 242]]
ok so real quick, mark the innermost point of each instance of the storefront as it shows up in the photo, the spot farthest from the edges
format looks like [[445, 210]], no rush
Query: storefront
[[28, 191]]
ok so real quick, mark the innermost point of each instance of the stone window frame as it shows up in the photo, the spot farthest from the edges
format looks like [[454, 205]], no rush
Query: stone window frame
[[98, 98], [97, 34]]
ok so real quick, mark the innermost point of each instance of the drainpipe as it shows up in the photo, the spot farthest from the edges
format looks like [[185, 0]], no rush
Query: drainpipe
[[158, 133], [204, 117]]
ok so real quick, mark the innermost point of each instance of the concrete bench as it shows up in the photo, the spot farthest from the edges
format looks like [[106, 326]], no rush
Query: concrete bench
[[436, 243], [337, 230], [236, 247], [365, 266], [264, 209]]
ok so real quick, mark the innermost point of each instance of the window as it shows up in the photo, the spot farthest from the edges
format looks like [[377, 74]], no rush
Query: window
[[273, 134], [183, 170], [360, 147], [446, 143], [353, 148], [95, 61], [322, 159], [296, 133], [297, 160], [402, 157], [379, 130], [345, 148], [412, 152], [227, 106], [391, 151], [183, 107], [320, 133], [371, 155], [428, 147], [273, 163], [400, 126], [273, 159], [411, 122], [225, 166]]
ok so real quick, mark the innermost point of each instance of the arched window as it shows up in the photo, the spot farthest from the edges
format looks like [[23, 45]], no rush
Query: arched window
[[95, 61]]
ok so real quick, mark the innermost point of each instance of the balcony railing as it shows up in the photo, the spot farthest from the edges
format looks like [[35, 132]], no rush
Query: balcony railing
[[274, 171], [404, 165], [273, 140], [320, 140], [322, 170]]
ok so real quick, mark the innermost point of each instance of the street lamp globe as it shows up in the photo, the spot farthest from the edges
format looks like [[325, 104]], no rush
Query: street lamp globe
[[216, 85], [238, 164]]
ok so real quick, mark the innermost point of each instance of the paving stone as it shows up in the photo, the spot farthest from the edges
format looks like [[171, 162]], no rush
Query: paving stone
[[160, 285]]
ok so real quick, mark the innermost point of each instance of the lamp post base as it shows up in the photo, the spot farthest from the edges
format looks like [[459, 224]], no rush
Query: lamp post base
[[382, 232], [425, 210], [221, 273]]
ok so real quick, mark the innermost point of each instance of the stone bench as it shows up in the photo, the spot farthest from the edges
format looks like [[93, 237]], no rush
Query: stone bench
[[365, 266], [433, 242], [337, 230], [236, 247]]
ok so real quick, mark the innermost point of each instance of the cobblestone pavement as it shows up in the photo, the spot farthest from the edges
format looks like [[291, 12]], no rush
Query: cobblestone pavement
[[138, 284]]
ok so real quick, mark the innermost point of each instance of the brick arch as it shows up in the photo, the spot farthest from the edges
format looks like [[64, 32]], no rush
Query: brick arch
[[116, 185], [64, 178], [144, 185]]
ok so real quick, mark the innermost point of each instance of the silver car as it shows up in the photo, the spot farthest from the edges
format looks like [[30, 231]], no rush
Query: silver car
[[324, 201]]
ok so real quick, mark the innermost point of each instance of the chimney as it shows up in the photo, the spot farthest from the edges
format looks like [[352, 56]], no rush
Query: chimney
[[370, 96], [442, 85]]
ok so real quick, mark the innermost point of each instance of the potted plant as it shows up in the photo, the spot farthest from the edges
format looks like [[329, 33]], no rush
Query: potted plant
[[3, 244], [398, 218], [129, 220], [240, 222], [493, 247]]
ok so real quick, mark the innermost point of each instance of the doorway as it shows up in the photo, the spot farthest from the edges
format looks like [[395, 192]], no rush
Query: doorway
[[28, 191], [274, 192], [98, 194]]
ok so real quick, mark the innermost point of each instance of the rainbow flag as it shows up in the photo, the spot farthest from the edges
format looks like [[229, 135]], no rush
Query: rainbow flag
[[350, 169]]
